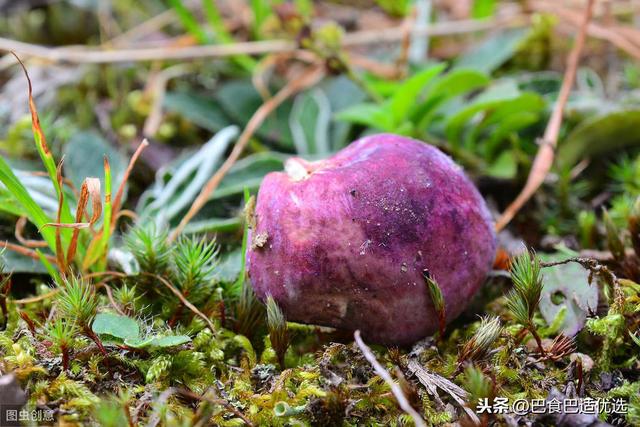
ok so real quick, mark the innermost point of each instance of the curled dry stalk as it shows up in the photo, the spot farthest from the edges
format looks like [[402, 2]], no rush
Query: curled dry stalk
[[309, 78], [21, 223], [546, 153], [96, 251], [26, 251]]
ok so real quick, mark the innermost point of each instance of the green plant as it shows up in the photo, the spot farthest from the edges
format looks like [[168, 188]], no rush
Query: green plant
[[478, 387], [523, 299], [71, 240], [460, 110], [478, 347], [149, 246], [278, 330], [62, 333], [437, 299], [194, 266], [78, 303], [125, 331]]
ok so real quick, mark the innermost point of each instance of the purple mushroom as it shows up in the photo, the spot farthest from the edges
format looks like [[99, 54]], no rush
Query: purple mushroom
[[343, 242]]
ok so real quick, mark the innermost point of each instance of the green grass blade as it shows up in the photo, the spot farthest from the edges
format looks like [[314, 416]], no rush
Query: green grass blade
[[50, 268], [236, 288], [34, 212], [189, 21], [222, 35], [106, 221]]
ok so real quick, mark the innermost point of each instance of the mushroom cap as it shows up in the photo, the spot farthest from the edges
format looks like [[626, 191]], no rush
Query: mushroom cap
[[343, 242]]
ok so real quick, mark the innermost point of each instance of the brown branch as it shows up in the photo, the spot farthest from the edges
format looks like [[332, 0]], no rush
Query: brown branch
[[36, 299], [83, 55], [544, 158], [308, 79], [26, 252], [118, 200], [623, 37], [182, 299], [386, 376], [18, 232]]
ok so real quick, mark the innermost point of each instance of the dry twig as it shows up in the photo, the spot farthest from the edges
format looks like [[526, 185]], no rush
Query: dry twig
[[308, 79], [385, 375], [83, 55], [19, 230], [433, 382], [544, 158], [182, 299], [118, 200], [26, 252]]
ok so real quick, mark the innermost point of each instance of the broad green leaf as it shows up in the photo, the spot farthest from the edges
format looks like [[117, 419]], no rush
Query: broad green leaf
[[483, 8], [342, 92], [170, 341], [16, 263], [310, 122], [453, 84], [510, 124], [368, 114], [504, 167], [499, 115], [494, 51], [200, 110], [9, 204], [239, 100], [499, 102], [600, 135], [84, 157], [407, 94], [137, 342], [567, 285], [154, 341], [114, 325]]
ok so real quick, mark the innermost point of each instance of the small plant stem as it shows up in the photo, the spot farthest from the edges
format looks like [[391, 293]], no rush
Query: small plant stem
[[65, 357], [442, 325], [30, 323], [92, 335], [176, 315], [520, 336], [363, 85], [531, 328]]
